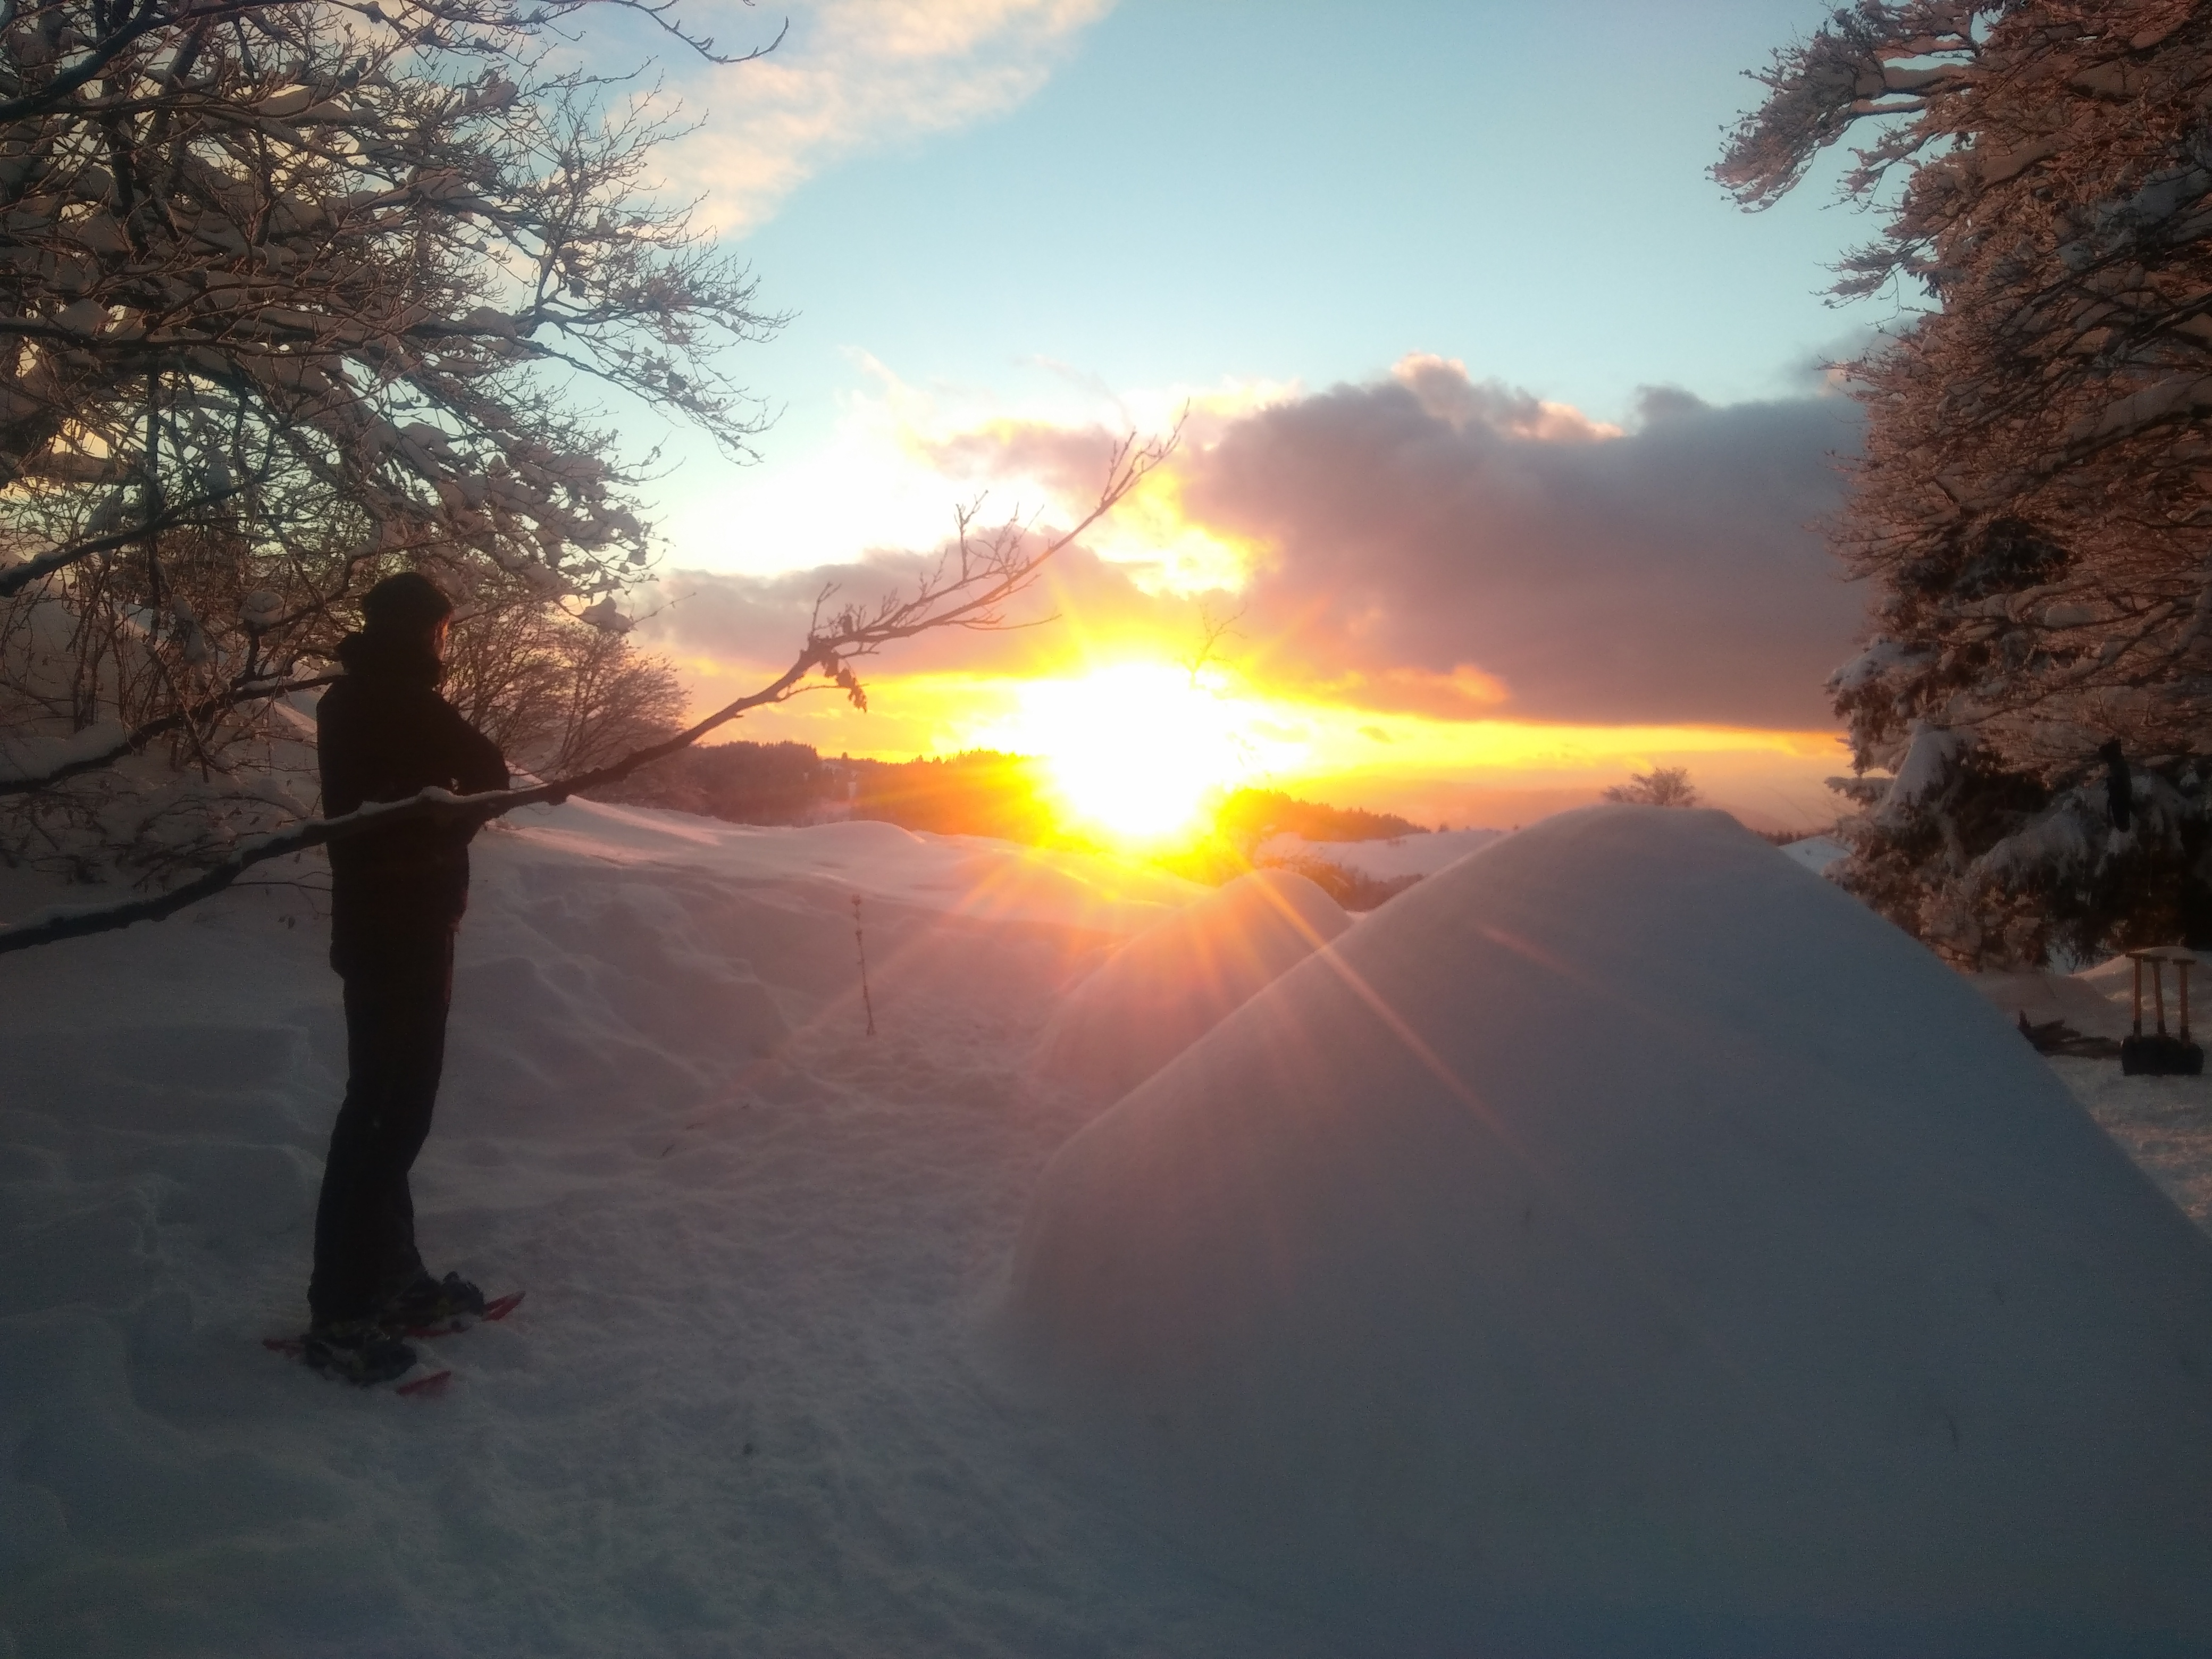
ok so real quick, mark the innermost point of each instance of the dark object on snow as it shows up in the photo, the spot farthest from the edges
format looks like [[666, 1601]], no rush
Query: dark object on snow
[[296, 1347], [453, 1324], [2159, 1055], [2056, 1036], [396, 896], [355, 1351], [430, 1301], [2119, 787], [861, 944]]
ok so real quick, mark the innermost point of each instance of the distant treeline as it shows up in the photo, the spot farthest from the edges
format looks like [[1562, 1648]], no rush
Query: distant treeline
[[743, 782], [1250, 816], [980, 792]]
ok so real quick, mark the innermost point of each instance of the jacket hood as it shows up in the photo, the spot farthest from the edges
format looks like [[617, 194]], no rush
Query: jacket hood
[[376, 653]]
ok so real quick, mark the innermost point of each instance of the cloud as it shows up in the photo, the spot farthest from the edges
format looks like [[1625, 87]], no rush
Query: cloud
[[1424, 545], [853, 76], [1438, 544], [1081, 603]]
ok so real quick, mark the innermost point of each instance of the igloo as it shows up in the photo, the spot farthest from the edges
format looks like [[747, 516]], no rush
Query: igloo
[[1626, 1243]]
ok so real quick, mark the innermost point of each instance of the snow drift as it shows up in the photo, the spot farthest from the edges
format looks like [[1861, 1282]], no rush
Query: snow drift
[[1169, 986], [1637, 1245]]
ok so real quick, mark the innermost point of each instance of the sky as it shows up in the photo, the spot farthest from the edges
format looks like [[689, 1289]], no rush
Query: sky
[[1505, 430]]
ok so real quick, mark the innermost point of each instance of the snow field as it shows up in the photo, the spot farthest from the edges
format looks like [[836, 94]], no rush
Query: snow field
[[1635, 1246], [741, 1410], [2165, 1123], [765, 1397]]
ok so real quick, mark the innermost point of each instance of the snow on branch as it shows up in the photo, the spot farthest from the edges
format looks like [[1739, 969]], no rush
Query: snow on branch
[[453, 25], [15, 578], [1850, 71]]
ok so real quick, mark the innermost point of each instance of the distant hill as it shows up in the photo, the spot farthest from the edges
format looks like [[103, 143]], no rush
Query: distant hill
[[980, 792]]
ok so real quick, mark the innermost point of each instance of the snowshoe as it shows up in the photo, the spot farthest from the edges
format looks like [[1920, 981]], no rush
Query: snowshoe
[[357, 1351], [430, 1302]]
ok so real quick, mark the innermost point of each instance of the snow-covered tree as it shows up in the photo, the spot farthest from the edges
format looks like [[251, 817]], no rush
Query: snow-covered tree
[[1662, 785], [2033, 510], [292, 295]]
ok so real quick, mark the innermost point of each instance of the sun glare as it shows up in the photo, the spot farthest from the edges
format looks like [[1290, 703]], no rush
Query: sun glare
[[1136, 750]]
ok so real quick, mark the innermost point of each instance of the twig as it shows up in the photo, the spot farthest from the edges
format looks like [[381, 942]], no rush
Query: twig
[[861, 944], [188, 719]]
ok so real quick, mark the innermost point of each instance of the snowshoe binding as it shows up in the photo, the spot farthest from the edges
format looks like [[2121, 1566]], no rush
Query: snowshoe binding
[[427, 1301], [357, 1351]]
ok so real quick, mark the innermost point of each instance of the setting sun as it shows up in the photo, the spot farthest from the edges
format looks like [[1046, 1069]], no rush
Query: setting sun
[[1137, 751]]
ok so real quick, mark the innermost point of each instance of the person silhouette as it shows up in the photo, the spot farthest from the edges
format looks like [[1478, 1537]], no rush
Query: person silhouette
[[397, 898]]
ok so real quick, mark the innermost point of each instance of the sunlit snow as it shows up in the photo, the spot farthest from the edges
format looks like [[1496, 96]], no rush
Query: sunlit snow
[[767, 1395]]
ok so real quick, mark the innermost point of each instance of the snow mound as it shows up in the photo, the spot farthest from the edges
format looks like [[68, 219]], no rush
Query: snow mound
[[1627, 1243], [1178, 980]]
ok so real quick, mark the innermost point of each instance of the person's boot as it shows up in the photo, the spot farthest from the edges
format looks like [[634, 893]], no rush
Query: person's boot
[[428, 1301], [358, 1351]]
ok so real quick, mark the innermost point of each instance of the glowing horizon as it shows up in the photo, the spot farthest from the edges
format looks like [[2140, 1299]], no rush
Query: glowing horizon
[[1137, 745]]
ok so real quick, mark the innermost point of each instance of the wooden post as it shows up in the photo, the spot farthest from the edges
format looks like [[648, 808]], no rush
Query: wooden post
[[2138, 962], [2158, 991], [2182, 969]]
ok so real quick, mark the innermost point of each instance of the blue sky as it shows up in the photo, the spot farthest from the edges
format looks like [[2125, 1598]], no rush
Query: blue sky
[[1212, 190], [1065, 215]]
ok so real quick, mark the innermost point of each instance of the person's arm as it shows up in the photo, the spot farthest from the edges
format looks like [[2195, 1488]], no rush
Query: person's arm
[[338, 754], [477, 765]]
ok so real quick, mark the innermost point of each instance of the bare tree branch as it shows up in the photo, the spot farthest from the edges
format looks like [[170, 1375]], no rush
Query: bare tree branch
[[17, 577], [977, 577], [136, 740]]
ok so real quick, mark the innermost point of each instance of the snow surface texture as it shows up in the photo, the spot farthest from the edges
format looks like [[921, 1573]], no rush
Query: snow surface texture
[[1816, 852], [1636, 1245], [1166, 988], [2164, 1122], [743, 1410], [746, 1409]]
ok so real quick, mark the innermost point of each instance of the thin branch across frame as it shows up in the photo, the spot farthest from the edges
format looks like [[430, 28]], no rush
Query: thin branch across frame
[[988, 574]]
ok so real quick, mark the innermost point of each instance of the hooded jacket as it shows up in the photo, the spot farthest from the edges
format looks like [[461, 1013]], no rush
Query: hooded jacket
[[383, 734]]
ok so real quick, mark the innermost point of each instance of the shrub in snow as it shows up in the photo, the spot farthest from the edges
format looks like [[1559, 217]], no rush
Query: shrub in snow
[[1628, 1244], [1662, 785]]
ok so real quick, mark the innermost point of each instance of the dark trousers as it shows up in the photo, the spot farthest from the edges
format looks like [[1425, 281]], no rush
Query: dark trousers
[[397, 989]]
